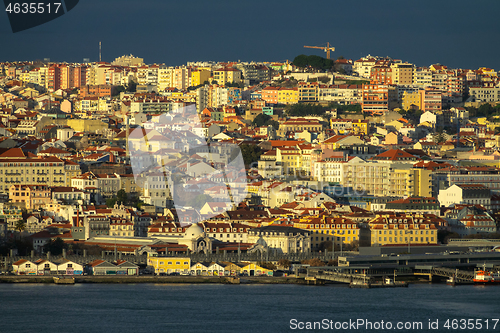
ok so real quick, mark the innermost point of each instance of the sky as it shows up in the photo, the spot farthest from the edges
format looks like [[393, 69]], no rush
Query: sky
[[458, 34]]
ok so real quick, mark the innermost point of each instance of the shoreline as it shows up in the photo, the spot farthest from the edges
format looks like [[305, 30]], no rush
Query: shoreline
[[49, 279], [133, 279]]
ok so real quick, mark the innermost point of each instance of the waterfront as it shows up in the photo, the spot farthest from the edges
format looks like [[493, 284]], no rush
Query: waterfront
[[231, 308]]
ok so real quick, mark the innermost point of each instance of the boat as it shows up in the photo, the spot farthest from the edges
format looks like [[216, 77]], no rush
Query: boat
[[64, 280], [451, 281], [486, 277], [231, 280]]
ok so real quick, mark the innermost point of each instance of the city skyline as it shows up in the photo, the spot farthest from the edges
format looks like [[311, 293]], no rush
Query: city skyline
[[425, 33]]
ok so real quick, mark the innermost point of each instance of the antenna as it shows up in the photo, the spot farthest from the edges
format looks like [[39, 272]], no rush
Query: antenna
[[99, 51]]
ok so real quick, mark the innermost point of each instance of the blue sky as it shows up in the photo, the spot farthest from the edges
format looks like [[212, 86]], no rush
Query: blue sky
[[457, 34]]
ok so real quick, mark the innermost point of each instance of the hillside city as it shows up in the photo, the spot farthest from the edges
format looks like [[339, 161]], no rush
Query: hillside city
[[306, 156]]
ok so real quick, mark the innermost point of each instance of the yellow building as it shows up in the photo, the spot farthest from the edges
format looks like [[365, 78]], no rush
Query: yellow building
[[392, 229], [199, 76], [20, 170], [288, 96], [305, 157], [121, 228], [165, 77], [402, 73], [386, 179], [360, 126], [329, 229], [411, 101], [410, 182], [72, 170], [169, 265], [227, 75], [289, 157], [253, 269]]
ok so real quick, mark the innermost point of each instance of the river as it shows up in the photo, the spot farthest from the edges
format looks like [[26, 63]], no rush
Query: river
[[110, 308]]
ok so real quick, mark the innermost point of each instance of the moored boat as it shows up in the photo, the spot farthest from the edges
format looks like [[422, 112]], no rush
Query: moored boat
[[451, 281], [486, 277], [64, 280]]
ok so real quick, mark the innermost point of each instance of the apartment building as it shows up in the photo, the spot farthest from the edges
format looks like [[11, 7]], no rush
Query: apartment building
[[31, 171], [378, 98], [227, 75], [308, 91]]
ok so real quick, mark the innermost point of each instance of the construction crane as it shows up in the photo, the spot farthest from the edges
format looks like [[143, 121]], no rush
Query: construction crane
[[326, 48]]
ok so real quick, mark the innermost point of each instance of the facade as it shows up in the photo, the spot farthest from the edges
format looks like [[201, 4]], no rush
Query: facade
[[33, 196], [465, 194], [308, 91], [281, 239], [48, 171], [392, 229], [168, 265], [379, 98], [227, 75], [421, 205], [485, 94]]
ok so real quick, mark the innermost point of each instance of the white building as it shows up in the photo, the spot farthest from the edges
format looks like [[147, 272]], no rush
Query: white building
[[475, 194]]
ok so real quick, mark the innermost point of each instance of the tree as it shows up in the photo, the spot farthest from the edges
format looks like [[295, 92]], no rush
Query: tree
[[122, 196], [20, 225], [300, 61], [326, 245], [132, 86], [305, 109], [267, 265], [352, 246], [250, 153], [260, 120], [334, 262], [439, 137], [285, 263], [55, 246], [324, 79], [200, 200], [444, 236], [343, 108], [313, 61], [485, 110], [265, 120], [313, 262], [118, 90], [110, 202]]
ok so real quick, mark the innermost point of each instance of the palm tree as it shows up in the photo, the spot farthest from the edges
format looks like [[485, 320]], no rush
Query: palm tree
[[20, 225]]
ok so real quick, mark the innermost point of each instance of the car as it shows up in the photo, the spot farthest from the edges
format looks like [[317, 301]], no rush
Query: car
[[174, 274], [185, 273], [163, 274]]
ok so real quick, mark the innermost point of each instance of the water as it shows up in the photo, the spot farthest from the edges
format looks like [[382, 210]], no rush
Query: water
[[149, 308]]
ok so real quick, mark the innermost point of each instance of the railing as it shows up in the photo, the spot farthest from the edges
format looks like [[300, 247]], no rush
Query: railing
[[459, 275], [459, 240]]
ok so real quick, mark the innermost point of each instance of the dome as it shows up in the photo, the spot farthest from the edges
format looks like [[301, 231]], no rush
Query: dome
[[193, 231]]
